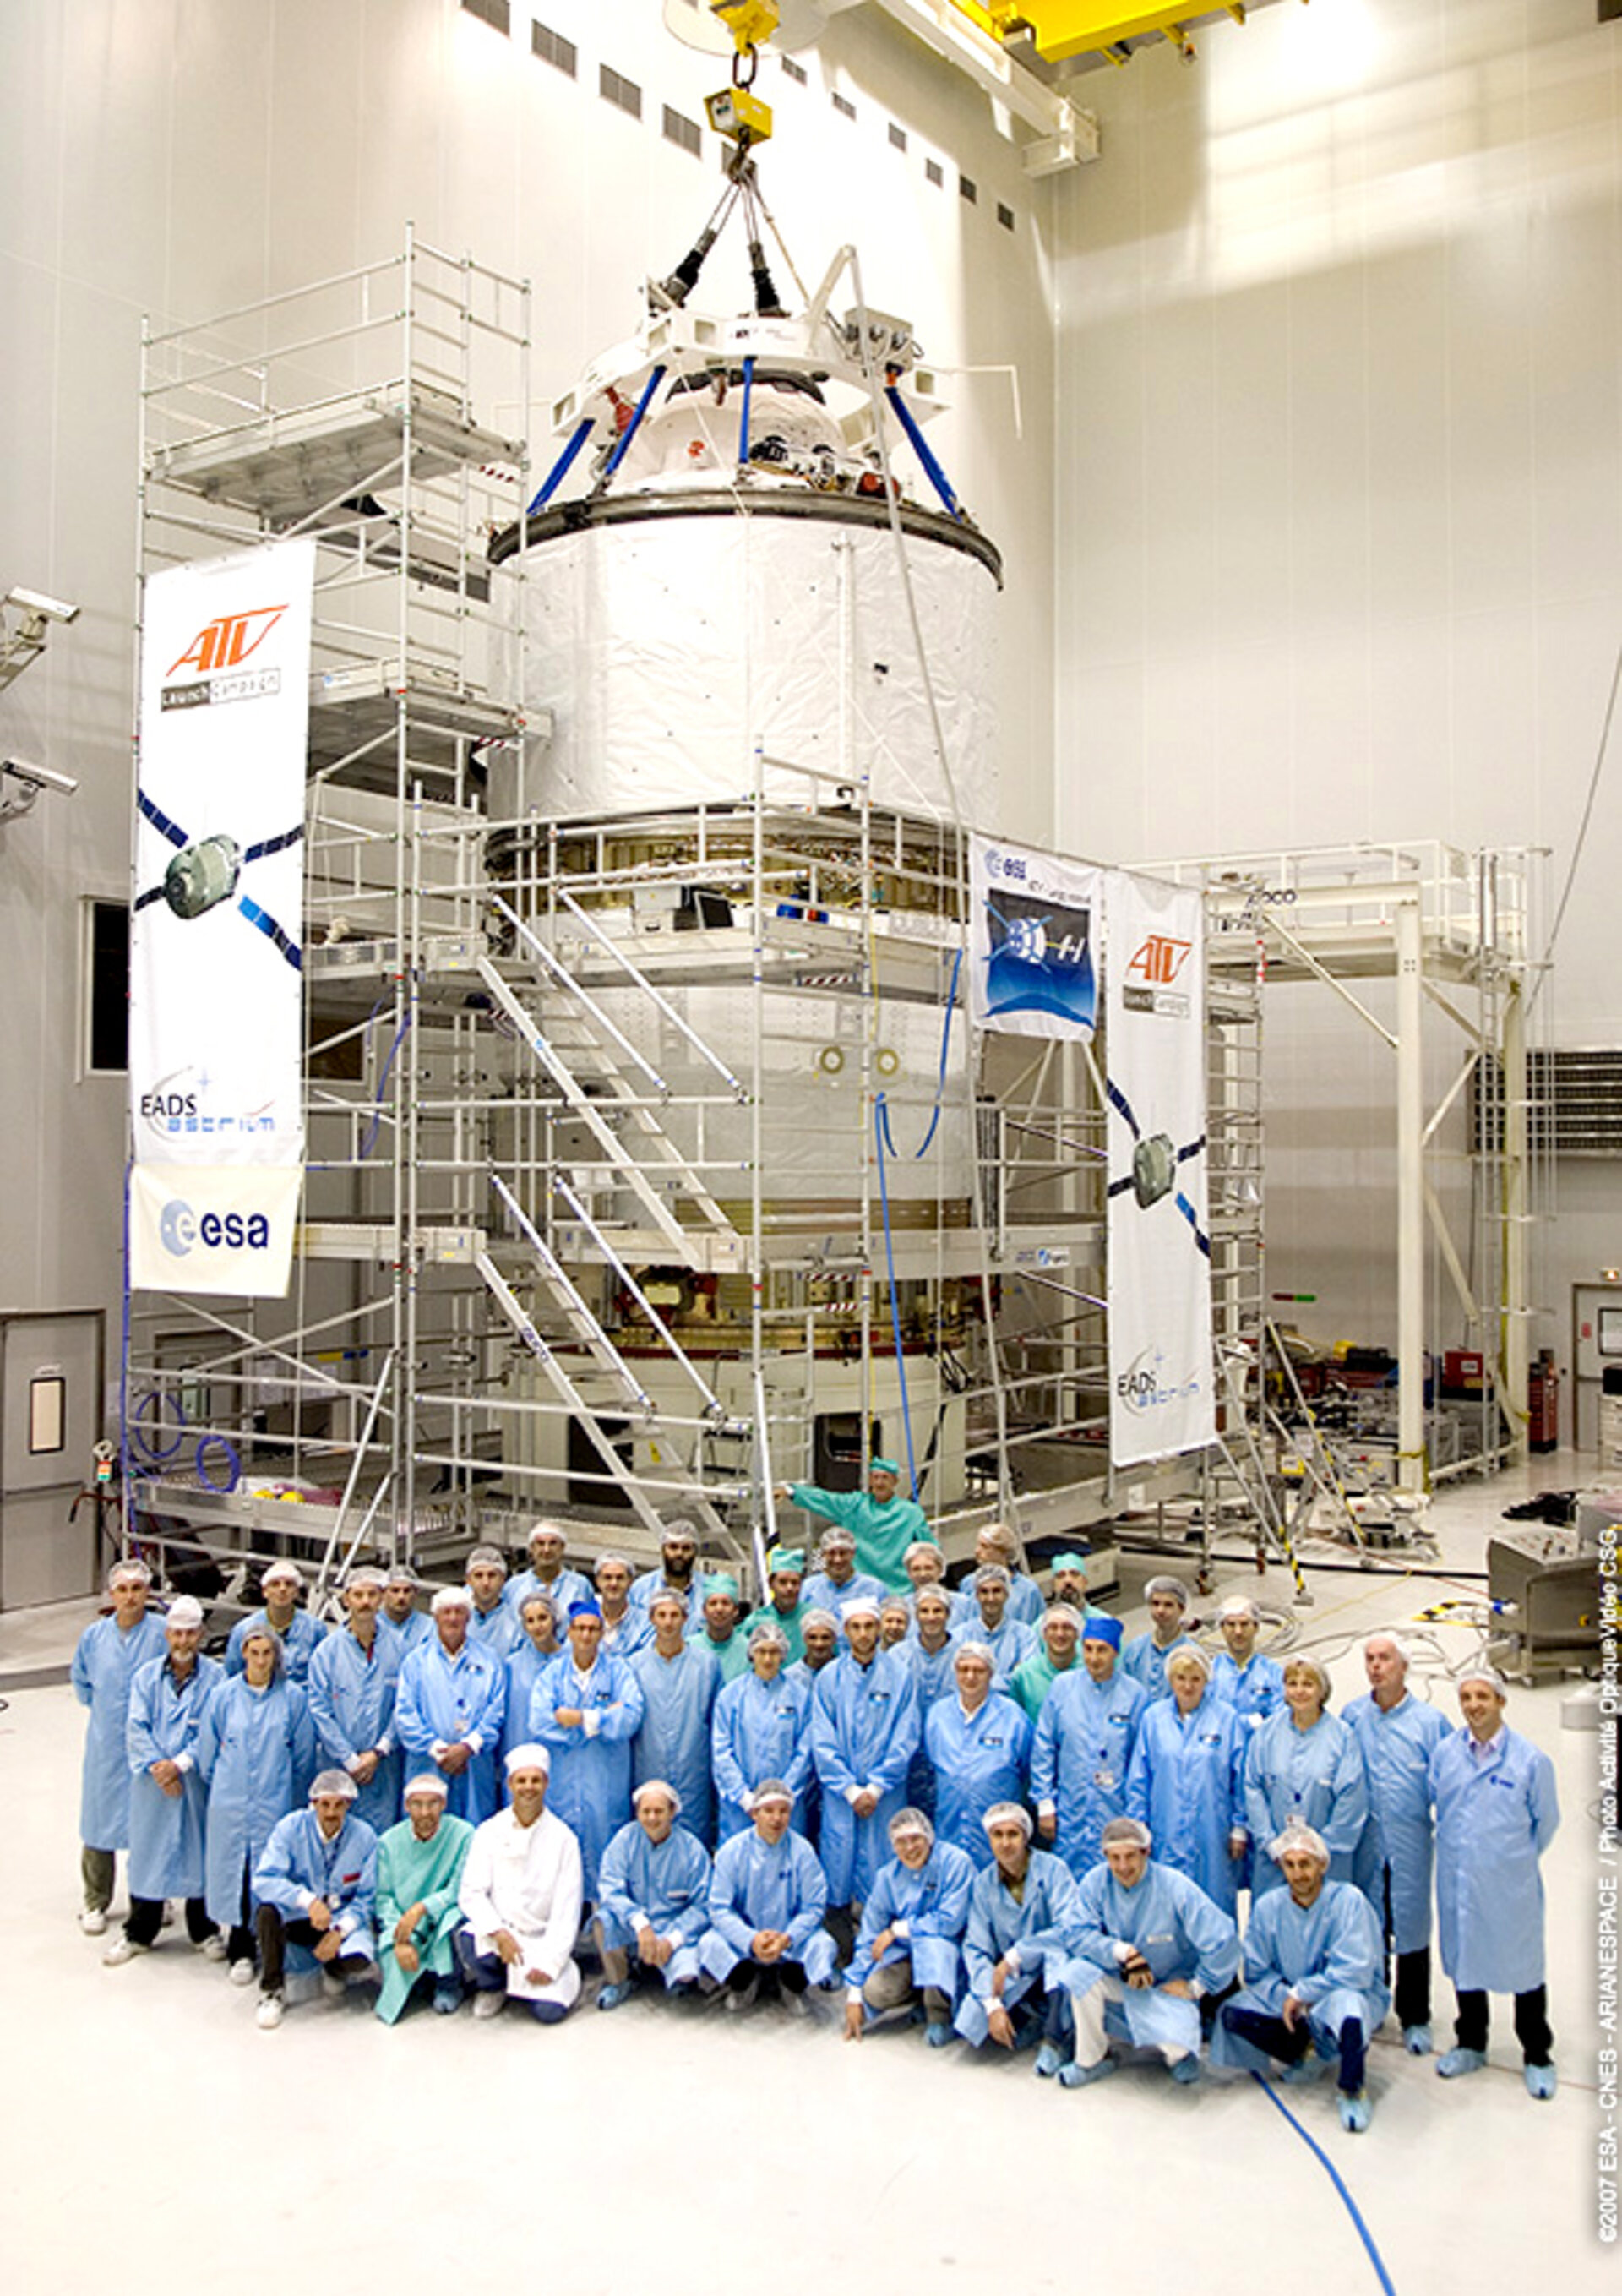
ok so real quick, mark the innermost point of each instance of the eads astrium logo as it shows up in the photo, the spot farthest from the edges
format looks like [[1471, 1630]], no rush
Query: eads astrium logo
[[1150, 972], [216, 654]]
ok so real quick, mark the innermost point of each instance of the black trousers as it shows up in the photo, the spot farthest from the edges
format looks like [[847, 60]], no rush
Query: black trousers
[[772, 1978], [1288, 2047], [1531, 2023], [147, 1919], [1411, 1990], [275, 1933]]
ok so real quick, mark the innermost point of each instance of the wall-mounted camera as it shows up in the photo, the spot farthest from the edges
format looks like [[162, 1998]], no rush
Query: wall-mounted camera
[[22, 781]]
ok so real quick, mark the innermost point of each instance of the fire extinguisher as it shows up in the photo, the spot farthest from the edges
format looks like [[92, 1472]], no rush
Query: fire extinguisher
[[1543, 1403]]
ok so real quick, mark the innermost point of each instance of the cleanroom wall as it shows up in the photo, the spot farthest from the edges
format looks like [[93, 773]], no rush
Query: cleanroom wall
[[181, 158], [1339, 498]]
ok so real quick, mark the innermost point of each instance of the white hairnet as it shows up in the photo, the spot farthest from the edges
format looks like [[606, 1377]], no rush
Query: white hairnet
[[1165, 1586], [657, 1786], [527, 1757], [489, 1557], [1239, 1606], [132, 1567], [427, 1781], [287, 1571], [860, 1606], [1008, 1813], [773, 1789], [816, 1616], [910, 1821], [969, 1646], [1298, 1837], [1188, 1654], [1478, 1671], [451, 1598], [1129, 1830], [767, 1631], [333, 1781], [1065, 1612], [546, 1530], [1313, 1666], [185, 1611], [994, 1574], [366, 1575]]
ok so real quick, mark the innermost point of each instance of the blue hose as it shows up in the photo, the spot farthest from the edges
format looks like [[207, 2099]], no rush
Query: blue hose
[[894, 1304], [1352, 2209]]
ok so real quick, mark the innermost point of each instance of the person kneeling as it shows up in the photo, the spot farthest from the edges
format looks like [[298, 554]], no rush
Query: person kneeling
[[653, 1895], [767, 1896], [1314, 1957], [520, 1892], [911, 1937], [1019, 1909], [312, 1887], [419, 1908], [1145, 1947]]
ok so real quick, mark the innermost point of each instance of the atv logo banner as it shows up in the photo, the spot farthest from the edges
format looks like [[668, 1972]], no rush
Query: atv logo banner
[[217, 1003], [1034, 931], [1161, 1394]]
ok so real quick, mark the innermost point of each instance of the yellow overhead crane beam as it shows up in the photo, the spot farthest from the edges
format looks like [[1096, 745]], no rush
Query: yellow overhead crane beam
[[1064, 30]]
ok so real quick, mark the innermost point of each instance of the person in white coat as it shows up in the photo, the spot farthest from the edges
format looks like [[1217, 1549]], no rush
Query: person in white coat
[[1496, 1812], [521, 1892]]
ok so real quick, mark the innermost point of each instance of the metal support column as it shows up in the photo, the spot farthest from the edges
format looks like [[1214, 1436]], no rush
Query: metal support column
[[1411, 1462], [1514, 1330]]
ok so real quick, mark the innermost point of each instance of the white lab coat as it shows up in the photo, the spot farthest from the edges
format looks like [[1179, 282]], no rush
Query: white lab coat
[[526, 1879]]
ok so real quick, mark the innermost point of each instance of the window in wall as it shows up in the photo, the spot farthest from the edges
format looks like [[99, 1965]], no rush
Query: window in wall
[[967, 189], [104, 974], [553, 48], [796, 73], [680, 130], [843, 103], [898, 136], [615, 89], [933, 173], [1004, 215], [494, 12]]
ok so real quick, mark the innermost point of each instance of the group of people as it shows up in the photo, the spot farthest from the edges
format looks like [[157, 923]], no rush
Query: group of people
[[989, 1814]]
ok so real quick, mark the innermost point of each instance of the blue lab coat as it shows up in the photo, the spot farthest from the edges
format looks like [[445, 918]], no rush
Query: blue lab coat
[[1330, 1955], [1010, 1646], [1025, 1603], [499, 1630], [419, 1628], [439, 1698], [654, 1582], [591, 1768], [1177, 1928], [757, 1885], [300, 1644], [1495, 1818], [1082, 1752], [932, 1679], [1186, 1785], [1397, 1748], [351, 1696], [256, 1750], [928, 1909], [678, 1696], [523, 1669], [819, 1593], [864, 1729], [1027, 1930], [1307, 1778], [665, 1884], [1146, 1664], [568, 1588], [1254, 1692], [106, 1660], [167, 1833], [978, 1760], [759, 1730], [299, 1864]]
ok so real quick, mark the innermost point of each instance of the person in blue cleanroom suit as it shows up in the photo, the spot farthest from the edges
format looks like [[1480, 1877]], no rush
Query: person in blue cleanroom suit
[[585, 1709], [1303, 1768], [1252, 1683], [882, 1522], [930, 1653], [168, 1797], [1185, 1780], [978, 1744], [624, 1629], [988, 1622], [257, 1752], [1398, 1737], [493, 1623], [909, 1947], [449, 1706], [653, 1896], [525, 1663], [679, 1681], [548, 1574], [864, 1728], [1146, 1655], [1019, 1911], [677, 1572], [760, 1727], [996, 1546], [1144, 1946], [836, 1580], [106, 1659], [351, 1691], [1085, 1733], [1496, 1812], [767, 1896], [1313, 1983], [400, 1622], [717, 1628], [314, 1887], [299, 1634]]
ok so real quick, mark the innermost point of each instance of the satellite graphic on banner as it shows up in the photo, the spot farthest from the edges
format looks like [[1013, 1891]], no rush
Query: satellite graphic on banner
[[216, 1004], [1034, 926], [1161, 1399]]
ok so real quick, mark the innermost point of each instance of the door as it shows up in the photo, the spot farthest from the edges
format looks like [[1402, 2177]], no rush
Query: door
[[50, 1415]]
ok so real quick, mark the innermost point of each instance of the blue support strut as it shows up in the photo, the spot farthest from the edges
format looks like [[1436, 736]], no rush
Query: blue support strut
[[635, 424], [749, 385], [915, 439], [561, 469]]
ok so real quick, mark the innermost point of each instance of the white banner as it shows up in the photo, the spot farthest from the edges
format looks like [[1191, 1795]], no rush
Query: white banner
[[1161, 1399], [1032, 966], [216, 961]]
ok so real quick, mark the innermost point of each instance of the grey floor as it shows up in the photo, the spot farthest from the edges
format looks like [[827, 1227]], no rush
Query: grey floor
[[149, 2133]]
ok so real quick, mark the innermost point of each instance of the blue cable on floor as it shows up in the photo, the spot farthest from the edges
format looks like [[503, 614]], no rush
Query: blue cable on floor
[[1352, 2209]]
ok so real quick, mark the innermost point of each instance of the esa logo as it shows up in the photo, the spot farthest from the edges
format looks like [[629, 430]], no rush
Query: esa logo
[[179, 1229], [1005, 865], [167, 1106]]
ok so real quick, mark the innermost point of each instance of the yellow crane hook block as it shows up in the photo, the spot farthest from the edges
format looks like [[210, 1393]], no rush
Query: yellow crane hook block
[[742, 119], [749, 22]]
